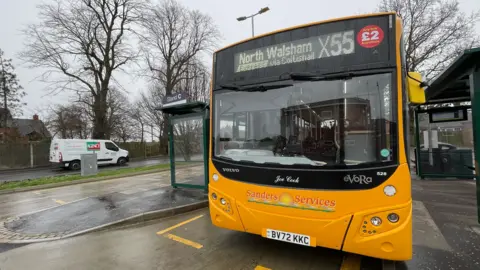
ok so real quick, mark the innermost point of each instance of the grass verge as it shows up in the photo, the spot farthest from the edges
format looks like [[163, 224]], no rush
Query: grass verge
[[69, 178]]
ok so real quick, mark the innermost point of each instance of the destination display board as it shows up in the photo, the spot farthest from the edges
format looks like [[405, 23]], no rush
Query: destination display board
[[448, 115], [353, 44]]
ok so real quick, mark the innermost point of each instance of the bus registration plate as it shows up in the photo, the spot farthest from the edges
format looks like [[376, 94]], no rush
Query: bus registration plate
[[294, 238]]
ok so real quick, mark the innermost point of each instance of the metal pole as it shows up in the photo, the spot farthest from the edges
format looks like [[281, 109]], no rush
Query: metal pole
[[171, 152], [253, 29], [417, 144], [474, 92], [430, 141], [206, 125]]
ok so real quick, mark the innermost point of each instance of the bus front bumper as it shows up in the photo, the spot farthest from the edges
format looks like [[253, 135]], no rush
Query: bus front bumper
[[351, 233]]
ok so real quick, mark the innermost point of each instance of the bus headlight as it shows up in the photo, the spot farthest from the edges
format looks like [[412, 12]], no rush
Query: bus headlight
[[392, 217], [223, 201], [214, 196], [215, 177], [389, 190], [376, 221]]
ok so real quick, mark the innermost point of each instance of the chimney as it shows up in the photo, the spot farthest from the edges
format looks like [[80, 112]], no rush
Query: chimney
[[35, 117]]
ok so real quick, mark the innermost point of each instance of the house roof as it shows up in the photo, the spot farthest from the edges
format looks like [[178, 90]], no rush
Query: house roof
[[28, 126]]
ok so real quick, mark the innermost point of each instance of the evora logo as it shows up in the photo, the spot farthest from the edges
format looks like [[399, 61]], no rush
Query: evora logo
[[359, 179], [230, 170]]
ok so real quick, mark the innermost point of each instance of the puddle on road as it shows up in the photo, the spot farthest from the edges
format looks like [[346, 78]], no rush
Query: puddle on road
[[109, 204]]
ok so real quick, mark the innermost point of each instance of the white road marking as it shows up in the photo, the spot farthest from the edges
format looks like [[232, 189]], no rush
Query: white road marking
[[476, 229]]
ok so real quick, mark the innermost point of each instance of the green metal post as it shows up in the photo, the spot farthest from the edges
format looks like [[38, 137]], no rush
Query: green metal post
[[475, 97], [171, 152], [417, 143], [206, 125]]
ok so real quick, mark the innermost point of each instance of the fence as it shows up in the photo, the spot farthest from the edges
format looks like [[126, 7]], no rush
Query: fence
[[20, 155], [141, 150], [24, 155]]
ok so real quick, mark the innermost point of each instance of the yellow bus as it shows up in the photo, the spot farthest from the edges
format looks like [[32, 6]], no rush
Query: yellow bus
[[309, 136]]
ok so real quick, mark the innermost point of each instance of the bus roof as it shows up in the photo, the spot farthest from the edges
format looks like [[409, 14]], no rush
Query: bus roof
[[306, 25]]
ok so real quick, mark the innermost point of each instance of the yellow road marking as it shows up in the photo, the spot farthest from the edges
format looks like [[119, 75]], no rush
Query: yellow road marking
[[178, 225], [60, 202], [259, 267], [184, 241], [351, 262]]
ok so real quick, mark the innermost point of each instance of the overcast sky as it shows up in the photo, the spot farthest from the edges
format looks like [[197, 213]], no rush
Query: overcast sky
[[15, 14]]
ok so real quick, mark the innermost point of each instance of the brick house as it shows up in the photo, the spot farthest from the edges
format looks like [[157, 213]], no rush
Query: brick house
[[22, 129]]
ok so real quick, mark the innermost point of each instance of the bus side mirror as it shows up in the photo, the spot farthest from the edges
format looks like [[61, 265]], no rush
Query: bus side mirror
[[416, 94]]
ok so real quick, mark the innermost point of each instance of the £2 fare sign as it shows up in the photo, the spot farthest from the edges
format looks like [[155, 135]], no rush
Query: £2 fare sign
[[93, 146], [370, 36]]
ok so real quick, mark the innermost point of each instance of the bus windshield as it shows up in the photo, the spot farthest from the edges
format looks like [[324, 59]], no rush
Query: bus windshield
[[321, 123]]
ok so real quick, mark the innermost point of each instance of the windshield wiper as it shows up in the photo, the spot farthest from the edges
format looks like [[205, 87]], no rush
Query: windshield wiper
[[308, 76], [254, 88]]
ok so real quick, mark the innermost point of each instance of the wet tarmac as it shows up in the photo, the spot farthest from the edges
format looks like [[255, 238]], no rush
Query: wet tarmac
[[445, 232], [20, 175], [143, 248], [190, 241], [17, 204], [96, 211]]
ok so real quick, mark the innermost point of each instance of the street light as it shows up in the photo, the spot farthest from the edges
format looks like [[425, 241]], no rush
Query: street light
[[243, 18]]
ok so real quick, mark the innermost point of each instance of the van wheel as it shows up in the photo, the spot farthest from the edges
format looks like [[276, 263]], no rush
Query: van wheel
[[122, 161], [74, 165]]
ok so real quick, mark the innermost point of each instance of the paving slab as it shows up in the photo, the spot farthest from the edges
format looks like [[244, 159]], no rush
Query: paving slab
[[445, 225]]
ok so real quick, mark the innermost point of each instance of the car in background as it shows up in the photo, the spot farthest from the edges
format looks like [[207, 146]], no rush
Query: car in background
[[67, 153], [441, 146]]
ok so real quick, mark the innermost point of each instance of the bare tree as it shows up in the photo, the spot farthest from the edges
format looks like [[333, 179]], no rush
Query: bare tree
[[196, 82], [139, 120], [11, 92], [69, 121], [125, 130], [148, 105], [173, 38], [82, 43], [117, 118], [435, 32]]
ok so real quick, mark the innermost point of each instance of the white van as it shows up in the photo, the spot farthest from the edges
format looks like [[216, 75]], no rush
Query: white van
[[66, 152]]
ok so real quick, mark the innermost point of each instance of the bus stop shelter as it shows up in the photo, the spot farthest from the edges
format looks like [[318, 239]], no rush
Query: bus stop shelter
[[188, 131], [457, 84]]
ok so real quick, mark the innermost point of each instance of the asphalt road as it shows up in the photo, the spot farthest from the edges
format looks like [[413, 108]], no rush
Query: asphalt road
[[445, 236], [19, 175], [194, 245], [190, 241]]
